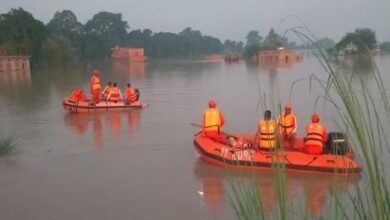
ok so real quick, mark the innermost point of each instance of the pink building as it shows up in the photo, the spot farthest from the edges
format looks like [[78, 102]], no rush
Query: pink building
[[279, 56], [13, 63], [127, 54]]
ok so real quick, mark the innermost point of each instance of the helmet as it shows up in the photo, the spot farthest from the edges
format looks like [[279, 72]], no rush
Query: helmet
[[287, 105], [315, 117], [212, 103]]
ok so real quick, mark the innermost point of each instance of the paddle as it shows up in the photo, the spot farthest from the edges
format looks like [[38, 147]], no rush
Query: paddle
[[200, 126]]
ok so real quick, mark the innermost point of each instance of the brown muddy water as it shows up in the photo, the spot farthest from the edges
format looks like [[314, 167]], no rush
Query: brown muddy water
[[141, 164]]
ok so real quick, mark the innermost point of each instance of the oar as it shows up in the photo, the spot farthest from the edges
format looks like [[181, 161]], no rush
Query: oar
[[200, 126]]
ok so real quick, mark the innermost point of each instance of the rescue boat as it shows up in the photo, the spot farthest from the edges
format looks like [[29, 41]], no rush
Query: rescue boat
[[293, 160], [88, 106], [77, 101]]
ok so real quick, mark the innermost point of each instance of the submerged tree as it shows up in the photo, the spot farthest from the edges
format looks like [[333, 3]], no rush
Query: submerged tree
[[363, 39], [21, 33], [104, 31]]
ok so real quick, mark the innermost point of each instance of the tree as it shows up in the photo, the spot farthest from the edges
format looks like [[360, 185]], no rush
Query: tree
[[66, 25], [253, 38], [324, 43], [363, 39], [104, 31], [58, 51], [21, 33], [273, 40]]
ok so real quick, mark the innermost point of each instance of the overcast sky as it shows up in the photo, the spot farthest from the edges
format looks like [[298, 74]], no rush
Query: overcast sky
[[226, 19]]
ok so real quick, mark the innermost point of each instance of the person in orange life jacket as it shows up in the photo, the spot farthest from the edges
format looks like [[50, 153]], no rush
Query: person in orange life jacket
[[115, 94], [94, 84], [288, 126], [131, 94], [106, 90], [213, 122], [316, 136], [266, 134]]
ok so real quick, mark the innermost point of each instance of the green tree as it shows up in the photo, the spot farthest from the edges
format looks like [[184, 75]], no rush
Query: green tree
[[104, 31], [21, 33], [65, 24], [364, 39], [58, 51], [253, 39]]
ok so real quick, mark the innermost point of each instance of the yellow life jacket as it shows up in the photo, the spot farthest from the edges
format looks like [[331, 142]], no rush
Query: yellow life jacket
[[115, 94], [314, 133], [95, 82], [212, 120], [288, 123], [267, 131]]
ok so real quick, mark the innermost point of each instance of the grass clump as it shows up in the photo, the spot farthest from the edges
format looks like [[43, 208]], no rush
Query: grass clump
[[7, 146]]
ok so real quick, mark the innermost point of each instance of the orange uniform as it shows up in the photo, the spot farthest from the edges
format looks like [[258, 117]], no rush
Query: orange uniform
[[106, 91], [94, 84], [131, 95], [267, 132], [315, 138], [288, 124], [213, 121], [115, 94]]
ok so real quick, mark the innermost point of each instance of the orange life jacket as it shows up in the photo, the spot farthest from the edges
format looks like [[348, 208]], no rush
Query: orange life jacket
[[267, 131], [95, 82], [315, 133], [131, 95], [115, 94], [212, 120], [287, 123], [77, 95], [107, 90]]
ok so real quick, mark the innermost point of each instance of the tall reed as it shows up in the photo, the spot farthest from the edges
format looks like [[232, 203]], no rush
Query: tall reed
[[359, 116]]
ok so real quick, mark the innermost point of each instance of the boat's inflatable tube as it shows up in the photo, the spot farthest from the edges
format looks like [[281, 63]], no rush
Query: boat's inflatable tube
[[224, 155]]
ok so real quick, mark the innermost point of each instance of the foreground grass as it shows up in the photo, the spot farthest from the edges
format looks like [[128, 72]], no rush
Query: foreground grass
[[358, 116], [7, 146]]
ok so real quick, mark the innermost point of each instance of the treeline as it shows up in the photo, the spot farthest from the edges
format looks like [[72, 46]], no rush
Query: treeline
[[65, 40]]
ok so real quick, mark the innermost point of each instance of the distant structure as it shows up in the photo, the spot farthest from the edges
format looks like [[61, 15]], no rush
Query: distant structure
[[281, 57], [215, 57], [128, 54], [13, 63], [232, 58]]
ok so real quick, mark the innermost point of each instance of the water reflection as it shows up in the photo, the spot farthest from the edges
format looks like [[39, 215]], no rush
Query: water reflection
[[15, 79], [131, 68], [115, 123], [314, 187]]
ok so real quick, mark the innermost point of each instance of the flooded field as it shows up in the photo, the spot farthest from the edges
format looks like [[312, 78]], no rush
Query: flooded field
[[141, 164]]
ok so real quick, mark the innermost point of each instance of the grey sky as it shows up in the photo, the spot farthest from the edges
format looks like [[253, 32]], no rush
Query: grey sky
[[226, 19]]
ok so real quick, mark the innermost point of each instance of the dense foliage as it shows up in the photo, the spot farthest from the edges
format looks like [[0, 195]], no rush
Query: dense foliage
[[65, 40], [359, 42]]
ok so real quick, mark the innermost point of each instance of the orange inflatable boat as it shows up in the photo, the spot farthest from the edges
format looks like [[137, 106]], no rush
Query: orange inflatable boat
[[224, 155], [78, 102]]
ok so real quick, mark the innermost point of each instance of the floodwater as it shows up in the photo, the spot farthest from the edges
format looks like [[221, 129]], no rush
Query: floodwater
[[141, 164]]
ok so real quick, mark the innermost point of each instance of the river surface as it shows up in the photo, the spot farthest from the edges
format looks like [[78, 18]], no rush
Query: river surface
[[141, 164]]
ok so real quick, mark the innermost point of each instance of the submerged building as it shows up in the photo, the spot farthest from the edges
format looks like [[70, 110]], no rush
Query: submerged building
[[13, 63], [128, 54], [281, 56]]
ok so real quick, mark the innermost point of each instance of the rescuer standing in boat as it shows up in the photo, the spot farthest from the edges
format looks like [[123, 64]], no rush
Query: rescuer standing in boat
[[266, 134], [316, 136], [288, 126], [213, 122], [94, 84]]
